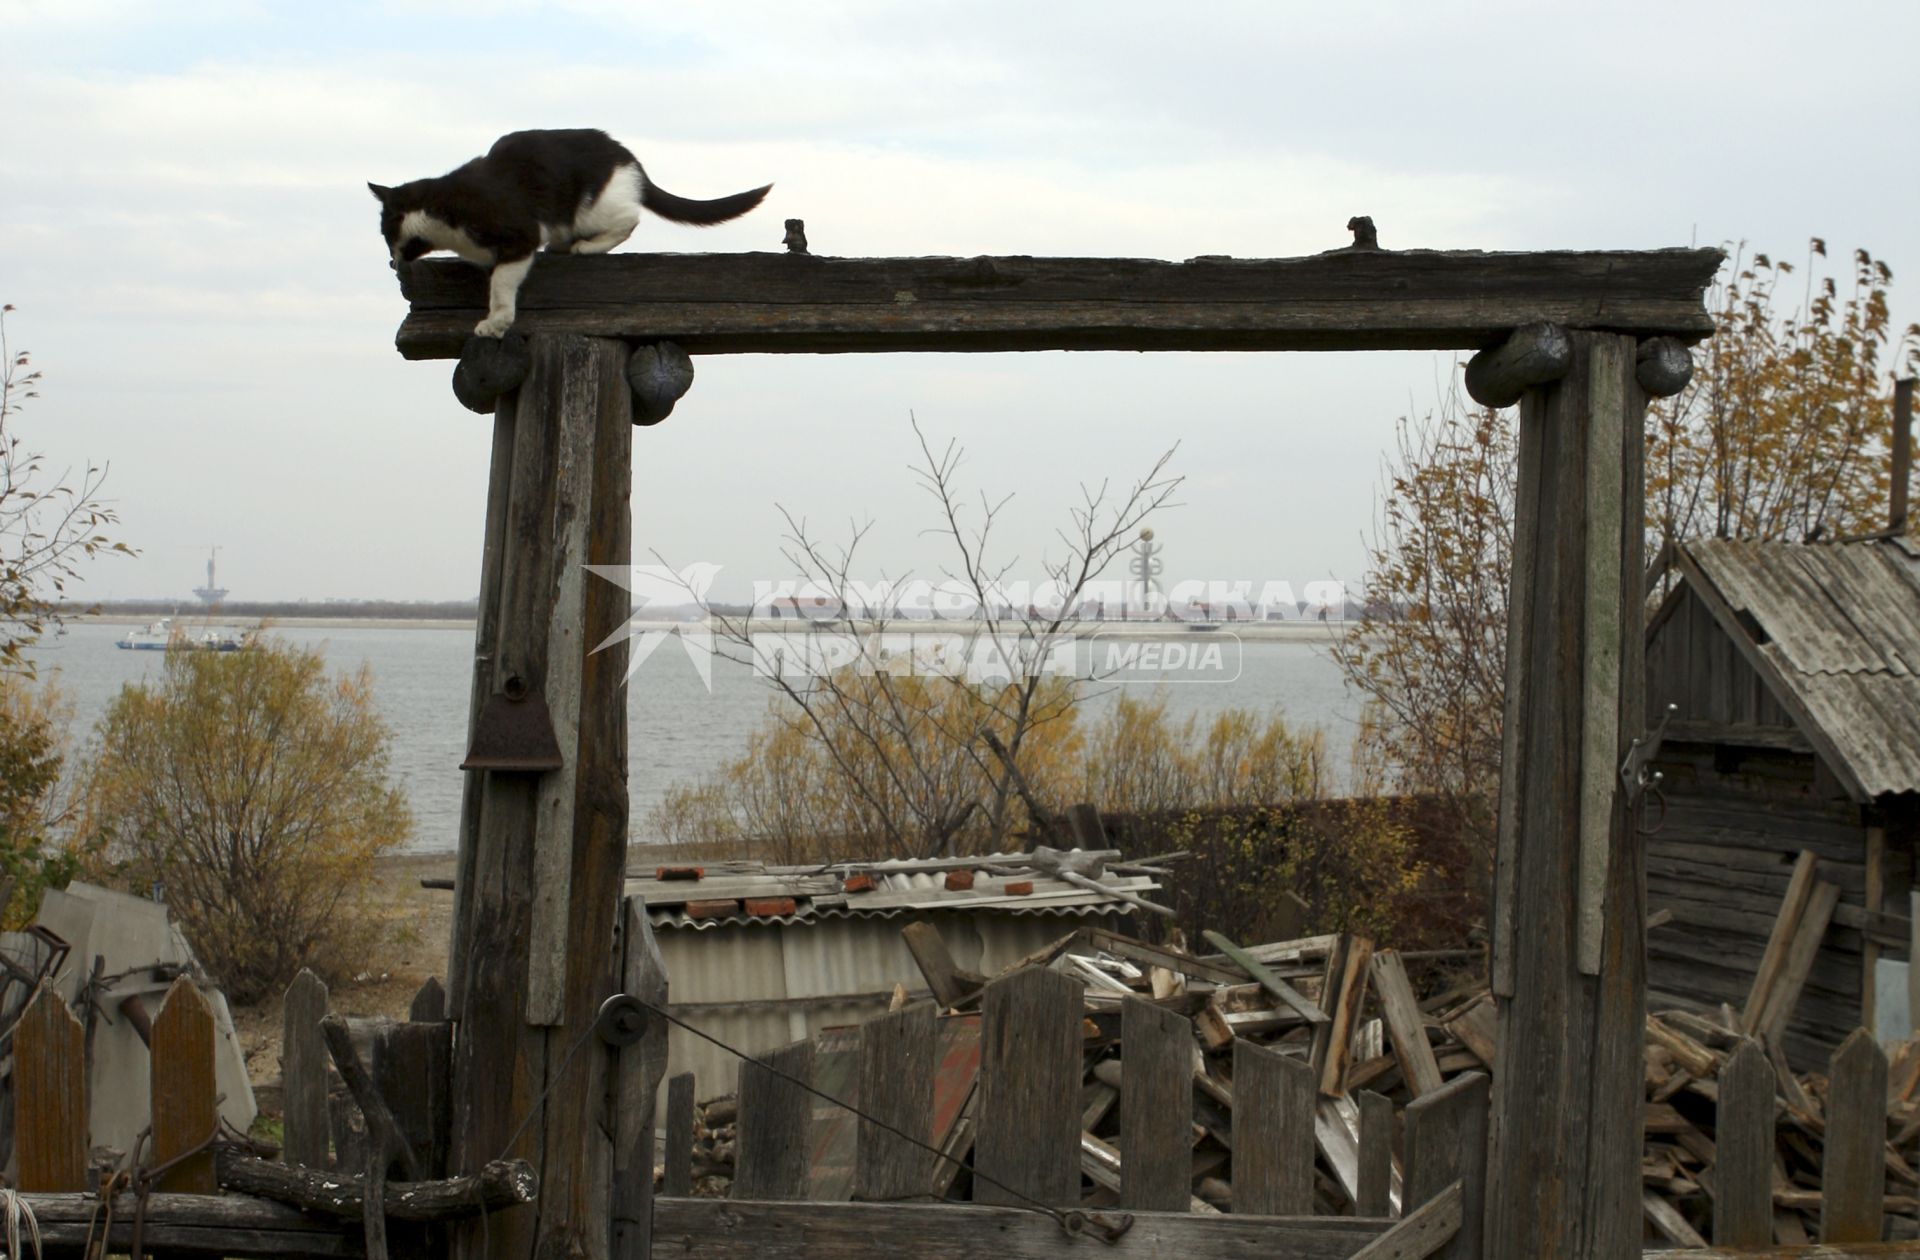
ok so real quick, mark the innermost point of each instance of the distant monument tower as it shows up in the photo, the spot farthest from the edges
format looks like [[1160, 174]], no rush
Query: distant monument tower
[[1146, 570], [212, 593]]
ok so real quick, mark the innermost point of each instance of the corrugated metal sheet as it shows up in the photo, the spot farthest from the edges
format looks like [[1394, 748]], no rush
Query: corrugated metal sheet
[[1840, 623]]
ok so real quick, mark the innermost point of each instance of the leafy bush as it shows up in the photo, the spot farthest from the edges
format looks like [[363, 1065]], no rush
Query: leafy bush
[[253, 789], [37, 846]]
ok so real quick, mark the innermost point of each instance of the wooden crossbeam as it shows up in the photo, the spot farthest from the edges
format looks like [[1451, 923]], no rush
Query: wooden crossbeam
[[759, 303]]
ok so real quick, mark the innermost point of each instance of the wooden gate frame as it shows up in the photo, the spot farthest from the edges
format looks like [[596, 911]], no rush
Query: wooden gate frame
[[1579, 339]]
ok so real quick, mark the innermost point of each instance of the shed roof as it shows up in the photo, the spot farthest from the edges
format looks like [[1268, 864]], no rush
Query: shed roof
[[900, 887], [1834, 628]]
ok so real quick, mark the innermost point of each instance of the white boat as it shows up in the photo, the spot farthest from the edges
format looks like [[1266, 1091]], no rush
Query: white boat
[[163, 634]]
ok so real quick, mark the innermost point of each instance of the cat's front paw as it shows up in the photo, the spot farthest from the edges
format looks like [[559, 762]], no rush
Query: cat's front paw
[[493, 326]]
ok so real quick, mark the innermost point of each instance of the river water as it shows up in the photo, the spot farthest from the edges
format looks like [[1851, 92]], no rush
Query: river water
[[679, 728]]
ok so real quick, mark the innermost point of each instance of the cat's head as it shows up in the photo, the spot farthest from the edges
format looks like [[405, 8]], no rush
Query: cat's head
[[403, 246]]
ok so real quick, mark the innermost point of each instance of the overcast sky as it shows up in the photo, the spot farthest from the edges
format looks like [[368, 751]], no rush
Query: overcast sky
[[185, 227]]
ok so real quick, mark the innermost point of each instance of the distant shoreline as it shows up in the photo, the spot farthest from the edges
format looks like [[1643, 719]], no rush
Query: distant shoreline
[[1247, 631]]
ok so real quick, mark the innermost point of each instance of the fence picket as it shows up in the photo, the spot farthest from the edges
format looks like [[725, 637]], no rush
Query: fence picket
[[897, 1053], [50, 1095], [679, 1162], [1273, 1108], [771, 1150], [1156, 1108], [1376, 1154], [1853, 1179], [185, 1114], [1743, 1151], [303, 1072], [1447, 1142], [1028, 1134]]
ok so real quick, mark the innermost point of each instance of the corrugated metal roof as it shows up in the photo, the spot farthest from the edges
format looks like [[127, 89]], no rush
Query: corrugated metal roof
[[900, 887], [1840, 624]]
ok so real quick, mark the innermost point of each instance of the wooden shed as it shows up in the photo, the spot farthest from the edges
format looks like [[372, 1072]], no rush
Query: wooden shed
[[1794, 670]]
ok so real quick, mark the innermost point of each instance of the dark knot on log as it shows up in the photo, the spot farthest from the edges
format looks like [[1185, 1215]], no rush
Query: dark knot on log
[[796, 237], [1364, 235], [489, 367], [660, 374], [1534, 355]]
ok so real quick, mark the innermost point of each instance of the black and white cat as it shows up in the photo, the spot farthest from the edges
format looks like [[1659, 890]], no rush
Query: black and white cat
[[577, 191]]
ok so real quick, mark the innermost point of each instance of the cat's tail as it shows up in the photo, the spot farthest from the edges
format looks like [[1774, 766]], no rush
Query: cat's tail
[[698, 213]]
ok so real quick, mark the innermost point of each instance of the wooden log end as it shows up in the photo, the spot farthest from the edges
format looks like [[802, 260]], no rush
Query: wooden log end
[[660, 375], [1663, 366], [489, 367], [1534, 354]]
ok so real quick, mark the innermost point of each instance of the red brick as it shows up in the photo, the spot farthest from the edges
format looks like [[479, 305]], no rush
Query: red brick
[[711, 909], [858, 883], [770, 907], [958, 881], [1021, 889]]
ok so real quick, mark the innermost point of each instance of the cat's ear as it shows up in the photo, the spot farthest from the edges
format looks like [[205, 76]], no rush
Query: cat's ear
[[380, 191]]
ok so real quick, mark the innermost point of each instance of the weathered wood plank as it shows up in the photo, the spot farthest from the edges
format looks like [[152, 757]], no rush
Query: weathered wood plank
[[637, 1070], [185, 1110], [771, 1152], [1376, 1154], [49, 1096], [1793, 907], [1601, 747], [1344, 991], [1428, 1230], [1343, 300], [413, 1071], [429, 1005], [678, 1180], [1265, 977], [1273, 1116], [1744, 1151], [1028, 1133], [1812, 930], [716, 1229], [1156, 1108], [946, 980], [1853, 1179], [303, 1072], [1405, 1025], [1564, 1163], [1876, 863], [499, 1184], [1447, 1145], [897, 1059]]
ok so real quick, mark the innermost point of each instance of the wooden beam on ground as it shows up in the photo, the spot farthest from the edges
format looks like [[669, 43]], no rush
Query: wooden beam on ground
[[735, 1229], [1422, 1232], [1265, 977], [757, 303]]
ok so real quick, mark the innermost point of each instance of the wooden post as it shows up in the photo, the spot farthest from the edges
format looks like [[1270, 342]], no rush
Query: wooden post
[[637, 1070], [1156, 1108], [1875, 892], [1273, 1110], [1447, 1143], [183, 1105], [50, 1096], [771, 1151], [542, 855], [1744, 1154], [1853, 1174], [1902, 453], [1570, 893], [897, 1055], [1030, 1066]]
